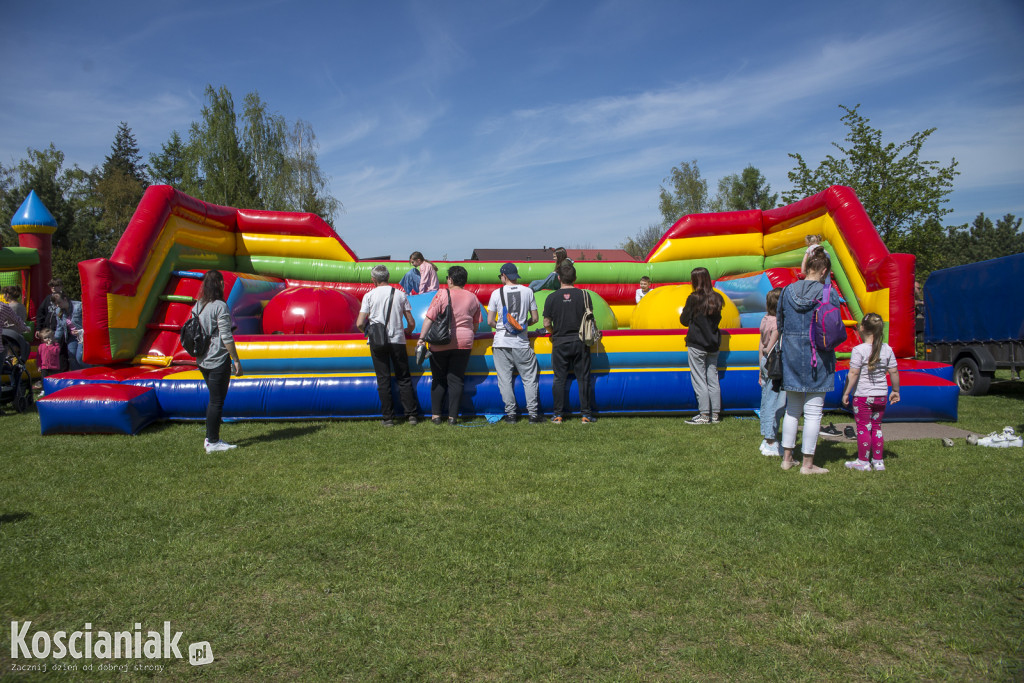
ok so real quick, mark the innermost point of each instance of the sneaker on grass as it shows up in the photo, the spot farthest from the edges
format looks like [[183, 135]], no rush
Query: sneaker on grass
[[215, 446], [859, 465], [879, 465], [699, 420]]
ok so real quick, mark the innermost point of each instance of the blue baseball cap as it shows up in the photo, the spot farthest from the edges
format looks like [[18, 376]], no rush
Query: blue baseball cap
[[510, 271]]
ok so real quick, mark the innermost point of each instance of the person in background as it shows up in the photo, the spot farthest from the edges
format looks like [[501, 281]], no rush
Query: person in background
[[702, 314], [46, 316], [68, 331], [560, 256], [12, 297], [220, 358], [422, 277], [813, 244], [448, 361], [392, 356], [511, 347], [563, 314], [48, 353], [773, 401], [869, 363], [804, 381], [645, 286], [8, 318]]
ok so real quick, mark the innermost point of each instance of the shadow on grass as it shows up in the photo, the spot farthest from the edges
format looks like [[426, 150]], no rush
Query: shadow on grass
[[282, 434], [14, 517]]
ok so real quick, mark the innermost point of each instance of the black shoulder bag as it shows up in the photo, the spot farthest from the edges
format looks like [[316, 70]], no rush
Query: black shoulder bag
[[377, 333], [440, 331]]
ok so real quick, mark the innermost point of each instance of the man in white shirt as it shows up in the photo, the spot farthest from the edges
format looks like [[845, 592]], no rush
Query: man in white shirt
[[375, 309], [511, 347]]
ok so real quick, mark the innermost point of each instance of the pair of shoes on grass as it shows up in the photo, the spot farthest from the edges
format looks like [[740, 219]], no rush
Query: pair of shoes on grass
[[1003, 439], [865, 466], [813, 469], [768, 449], [702, 419]]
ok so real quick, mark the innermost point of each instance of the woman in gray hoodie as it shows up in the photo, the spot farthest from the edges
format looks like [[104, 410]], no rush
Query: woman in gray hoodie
[[805, 378]]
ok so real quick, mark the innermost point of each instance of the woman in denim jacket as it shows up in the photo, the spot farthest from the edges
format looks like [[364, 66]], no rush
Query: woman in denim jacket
[[805, 381]]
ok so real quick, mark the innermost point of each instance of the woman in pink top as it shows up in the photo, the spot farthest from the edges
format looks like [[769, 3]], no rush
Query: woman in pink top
[[428, 273], [448, 361]]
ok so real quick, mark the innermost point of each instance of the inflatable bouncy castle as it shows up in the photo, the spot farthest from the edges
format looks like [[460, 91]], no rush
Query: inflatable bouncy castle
[[294, 287]]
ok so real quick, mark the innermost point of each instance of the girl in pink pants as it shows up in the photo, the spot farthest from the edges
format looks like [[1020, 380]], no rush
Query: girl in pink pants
[[869, 364]]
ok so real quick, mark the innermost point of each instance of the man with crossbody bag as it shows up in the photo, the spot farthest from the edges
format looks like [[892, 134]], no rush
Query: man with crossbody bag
[[510, 311], [384, 307]]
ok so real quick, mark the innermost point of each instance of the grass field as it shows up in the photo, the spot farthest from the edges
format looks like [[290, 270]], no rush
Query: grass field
[[632, 549]]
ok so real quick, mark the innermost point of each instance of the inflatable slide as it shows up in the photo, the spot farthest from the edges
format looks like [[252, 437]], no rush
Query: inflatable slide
[[294, 289]]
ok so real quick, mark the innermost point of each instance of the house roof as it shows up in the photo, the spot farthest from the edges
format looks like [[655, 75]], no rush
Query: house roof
[[521, 255]]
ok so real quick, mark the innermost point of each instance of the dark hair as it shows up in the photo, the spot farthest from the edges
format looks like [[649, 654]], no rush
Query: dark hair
[[771, 302], [873, 324], [55, 282], [458, 275], [708, 301], [819, 261], [645, 279], [12, 292], [560, 255], [212, 288], [566, 273], [419, 255]]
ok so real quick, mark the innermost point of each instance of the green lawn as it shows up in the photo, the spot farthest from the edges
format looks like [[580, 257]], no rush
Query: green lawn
[[632, 549]]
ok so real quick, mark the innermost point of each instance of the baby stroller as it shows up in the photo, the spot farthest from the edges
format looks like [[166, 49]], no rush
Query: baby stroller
[[15, 382]]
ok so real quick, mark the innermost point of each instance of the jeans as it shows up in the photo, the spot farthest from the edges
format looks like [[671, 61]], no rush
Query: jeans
[[704, 376], [385, 358], [522, 360], [811, 405], [447, 375], [868, 412], [773, 407], [217, 380], [574, 355]]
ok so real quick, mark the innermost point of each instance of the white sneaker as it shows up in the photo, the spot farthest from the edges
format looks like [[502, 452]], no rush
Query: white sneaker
[[769, 449], [1003, 439], [215, 446]]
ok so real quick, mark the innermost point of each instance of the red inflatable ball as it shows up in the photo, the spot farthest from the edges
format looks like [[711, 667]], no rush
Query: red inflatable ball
[[311, 310]]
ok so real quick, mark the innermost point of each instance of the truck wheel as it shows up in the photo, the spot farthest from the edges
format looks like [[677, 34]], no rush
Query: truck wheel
[[970, 379]]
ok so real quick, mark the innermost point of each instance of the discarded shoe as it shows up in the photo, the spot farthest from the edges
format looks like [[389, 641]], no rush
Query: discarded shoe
[[831, 429], [1003, 439], [948, 443], [850, 432]]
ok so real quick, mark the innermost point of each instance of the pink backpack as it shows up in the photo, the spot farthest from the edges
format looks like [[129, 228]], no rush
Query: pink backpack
[[827, 328]]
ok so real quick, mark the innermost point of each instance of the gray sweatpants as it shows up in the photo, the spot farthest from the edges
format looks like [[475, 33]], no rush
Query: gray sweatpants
[[704, 375], [506, 363]]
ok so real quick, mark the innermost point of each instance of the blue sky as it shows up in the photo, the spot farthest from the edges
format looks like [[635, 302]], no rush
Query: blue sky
[[447, 126]]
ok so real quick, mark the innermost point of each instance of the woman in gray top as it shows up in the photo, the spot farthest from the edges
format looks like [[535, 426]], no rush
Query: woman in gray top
[[220, 358]]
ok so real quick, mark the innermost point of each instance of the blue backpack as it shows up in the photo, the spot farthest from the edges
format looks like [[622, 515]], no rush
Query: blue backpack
[[827, 328]]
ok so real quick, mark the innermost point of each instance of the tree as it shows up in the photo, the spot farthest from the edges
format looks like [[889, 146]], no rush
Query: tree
[[983, 240], [308, 186], [746, 191], [689, 193], [224, 171], [899, 191], [170, 166], [640, 245], [124, 157], [67, 193], [265, 141]]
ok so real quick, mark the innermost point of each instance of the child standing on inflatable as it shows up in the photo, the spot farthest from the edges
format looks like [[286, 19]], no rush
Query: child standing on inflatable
[[702, 315], [773, 401], [869, 363], [813, 244]]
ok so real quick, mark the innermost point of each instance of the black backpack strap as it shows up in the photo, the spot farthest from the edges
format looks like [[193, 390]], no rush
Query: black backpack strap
[[387, 316]]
